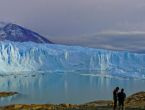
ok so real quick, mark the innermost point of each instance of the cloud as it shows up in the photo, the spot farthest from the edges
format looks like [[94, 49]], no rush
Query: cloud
[[74, 17], [114, 40], [82, 22], [121, 33]]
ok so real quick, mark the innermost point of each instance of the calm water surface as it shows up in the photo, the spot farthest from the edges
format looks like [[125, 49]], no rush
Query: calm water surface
[[65, 87]]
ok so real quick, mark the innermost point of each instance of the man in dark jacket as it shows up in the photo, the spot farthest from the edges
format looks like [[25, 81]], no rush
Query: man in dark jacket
[[121, 99], [115, 97]]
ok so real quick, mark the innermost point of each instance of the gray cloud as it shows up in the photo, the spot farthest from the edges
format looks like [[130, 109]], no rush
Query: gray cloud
[[129, 41], [67, 20], [74, 17]]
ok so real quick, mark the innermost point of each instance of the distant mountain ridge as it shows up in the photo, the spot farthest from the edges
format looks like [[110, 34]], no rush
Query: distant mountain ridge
[[16, 33]]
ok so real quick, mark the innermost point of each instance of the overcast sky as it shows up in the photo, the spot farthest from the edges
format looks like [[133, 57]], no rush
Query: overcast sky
[[70, 19]]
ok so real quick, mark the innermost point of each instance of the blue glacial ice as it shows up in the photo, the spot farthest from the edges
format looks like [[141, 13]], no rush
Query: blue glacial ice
[[50, 73], [27, 57]]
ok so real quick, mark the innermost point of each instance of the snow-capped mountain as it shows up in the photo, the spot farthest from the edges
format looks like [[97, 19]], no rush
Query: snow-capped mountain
[[16, 33]]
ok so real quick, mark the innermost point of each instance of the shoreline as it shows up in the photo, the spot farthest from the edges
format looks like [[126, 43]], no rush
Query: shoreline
[[133, 102], [7, 94]]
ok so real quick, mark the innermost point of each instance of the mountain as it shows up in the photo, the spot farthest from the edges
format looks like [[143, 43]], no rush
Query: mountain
[[16, 33]]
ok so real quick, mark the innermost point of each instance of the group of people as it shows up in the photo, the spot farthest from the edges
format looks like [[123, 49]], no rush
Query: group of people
[[119, 98]]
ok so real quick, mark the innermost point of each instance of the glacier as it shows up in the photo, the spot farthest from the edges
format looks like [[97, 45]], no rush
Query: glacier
[[52, 73], [27, 57]]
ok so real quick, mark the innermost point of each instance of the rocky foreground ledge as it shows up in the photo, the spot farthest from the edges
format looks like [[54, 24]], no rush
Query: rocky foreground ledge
[[133, 102], [7, 94]]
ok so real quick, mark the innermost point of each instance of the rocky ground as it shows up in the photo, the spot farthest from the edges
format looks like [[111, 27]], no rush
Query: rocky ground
[[133, 102], [6, 94]]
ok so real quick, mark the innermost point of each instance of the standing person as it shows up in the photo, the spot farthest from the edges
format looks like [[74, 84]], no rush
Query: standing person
[[121, 99], [115, 97]]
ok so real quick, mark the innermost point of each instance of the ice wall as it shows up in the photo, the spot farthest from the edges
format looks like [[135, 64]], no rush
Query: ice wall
[[16, 58]]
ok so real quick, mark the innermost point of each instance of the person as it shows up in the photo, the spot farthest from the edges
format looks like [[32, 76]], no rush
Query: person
[[115, 97], [121, 99]]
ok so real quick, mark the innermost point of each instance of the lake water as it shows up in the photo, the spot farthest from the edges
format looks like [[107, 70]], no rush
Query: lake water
[[65, 87]]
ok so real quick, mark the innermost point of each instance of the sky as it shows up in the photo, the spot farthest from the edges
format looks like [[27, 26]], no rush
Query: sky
[[81, 22]]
